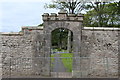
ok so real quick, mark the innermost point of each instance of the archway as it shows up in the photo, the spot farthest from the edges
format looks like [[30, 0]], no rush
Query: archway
[[63, 20], [52, 25], [61, 53]]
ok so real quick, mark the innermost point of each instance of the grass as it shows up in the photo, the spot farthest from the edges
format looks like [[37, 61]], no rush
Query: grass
[[67, 62], [52, 59], [57, 50]]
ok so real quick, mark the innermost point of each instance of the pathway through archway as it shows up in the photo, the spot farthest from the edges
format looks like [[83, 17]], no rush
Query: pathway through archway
[[61, 53]]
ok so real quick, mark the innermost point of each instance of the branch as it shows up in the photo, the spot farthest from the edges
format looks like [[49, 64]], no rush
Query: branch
[[94, 6]]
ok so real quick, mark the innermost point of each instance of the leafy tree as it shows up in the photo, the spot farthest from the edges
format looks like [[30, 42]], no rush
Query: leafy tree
[[103, 15], [113, 12], [72, 6], [59, 38], [98, 11]]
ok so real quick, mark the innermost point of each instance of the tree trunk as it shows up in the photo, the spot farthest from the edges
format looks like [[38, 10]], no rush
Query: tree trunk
[[69, 42]]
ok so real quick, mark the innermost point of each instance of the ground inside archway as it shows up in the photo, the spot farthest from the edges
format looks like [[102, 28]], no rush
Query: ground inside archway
[[61, 53], [58, 68]]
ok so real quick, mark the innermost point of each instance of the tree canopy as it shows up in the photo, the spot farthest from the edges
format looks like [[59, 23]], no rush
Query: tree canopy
[[72, 6], [103, 15]]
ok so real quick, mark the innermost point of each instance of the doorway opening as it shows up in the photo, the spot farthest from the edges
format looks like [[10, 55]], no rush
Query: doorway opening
[[61, 53]]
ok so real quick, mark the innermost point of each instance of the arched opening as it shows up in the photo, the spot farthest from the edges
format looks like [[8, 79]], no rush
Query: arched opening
[[62, 40], [61, 52]]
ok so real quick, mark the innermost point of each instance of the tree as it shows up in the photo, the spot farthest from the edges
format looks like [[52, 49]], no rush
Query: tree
[[59, 38], [114, 16], [103, 15], [72, 6], [99, 10]]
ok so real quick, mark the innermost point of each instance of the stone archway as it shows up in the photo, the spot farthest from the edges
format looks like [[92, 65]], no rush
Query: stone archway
[[63, 20]]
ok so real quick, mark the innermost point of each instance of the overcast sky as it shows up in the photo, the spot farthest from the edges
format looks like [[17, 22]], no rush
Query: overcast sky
[[17, 13]]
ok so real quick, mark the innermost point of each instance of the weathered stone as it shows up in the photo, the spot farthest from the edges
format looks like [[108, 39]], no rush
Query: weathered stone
[[96, 50]]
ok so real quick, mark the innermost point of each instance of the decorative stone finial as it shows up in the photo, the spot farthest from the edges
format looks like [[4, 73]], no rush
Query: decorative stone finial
[[53, 14], [62, 14], [80, 15], [62, 11], [71, 15], [45, 16]]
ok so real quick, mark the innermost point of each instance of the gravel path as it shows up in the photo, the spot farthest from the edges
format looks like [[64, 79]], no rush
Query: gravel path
[[58, 70], [58, 65]]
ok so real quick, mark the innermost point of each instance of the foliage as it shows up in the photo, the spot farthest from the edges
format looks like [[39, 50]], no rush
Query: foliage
[[72, 6], [103, 15], [59, 38], [40, 25]]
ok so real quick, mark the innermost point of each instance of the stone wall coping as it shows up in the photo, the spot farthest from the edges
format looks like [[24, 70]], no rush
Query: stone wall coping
[[11, 33], [33, 27], [100, 28], [41, 28], [21, 33]]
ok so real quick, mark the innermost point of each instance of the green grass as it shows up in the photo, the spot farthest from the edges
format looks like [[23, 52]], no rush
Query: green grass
[[54, 50], [67, 62], [57, 50], [52, 56], [52, 59]]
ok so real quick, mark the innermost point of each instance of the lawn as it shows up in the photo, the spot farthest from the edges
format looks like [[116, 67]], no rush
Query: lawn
[[57, 50], [67, 61], [52, 59]]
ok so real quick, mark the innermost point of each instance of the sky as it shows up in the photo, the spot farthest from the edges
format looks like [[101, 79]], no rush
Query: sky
[[15, 14]]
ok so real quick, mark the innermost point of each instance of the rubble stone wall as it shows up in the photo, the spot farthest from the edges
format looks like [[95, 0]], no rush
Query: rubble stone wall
[[27, 53], [101, 46], [18, 51], [21, 53]]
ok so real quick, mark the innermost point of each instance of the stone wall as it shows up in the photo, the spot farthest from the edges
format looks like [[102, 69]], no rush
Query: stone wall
[[23, 53], [18, 51], [27, 54], [100, 45]]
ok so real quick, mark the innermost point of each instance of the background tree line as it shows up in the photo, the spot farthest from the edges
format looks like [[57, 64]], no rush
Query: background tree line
[[103, 15]]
